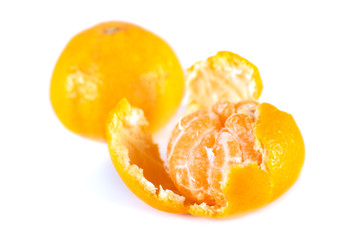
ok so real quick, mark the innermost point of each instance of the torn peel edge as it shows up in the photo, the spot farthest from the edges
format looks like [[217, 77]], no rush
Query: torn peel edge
[[259, 146], [168, 201], [132, 175], [159, 198], [131, 161]]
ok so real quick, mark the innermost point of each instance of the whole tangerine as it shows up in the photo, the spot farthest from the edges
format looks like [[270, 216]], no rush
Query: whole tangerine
[[109, 61]]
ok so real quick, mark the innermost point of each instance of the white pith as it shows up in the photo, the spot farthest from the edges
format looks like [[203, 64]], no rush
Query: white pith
[[83, 84], [122, 154], [206, 84]]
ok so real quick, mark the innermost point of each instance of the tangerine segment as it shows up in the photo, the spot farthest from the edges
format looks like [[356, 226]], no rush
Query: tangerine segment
[[137, 160], [285, 150], [204, 146], [188, 166], [225, 76]]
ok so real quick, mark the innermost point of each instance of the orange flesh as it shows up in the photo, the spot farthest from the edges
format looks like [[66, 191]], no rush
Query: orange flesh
[[208, 142]]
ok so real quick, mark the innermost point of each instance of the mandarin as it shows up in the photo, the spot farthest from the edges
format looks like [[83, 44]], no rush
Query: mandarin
[[208, 145], [107, 62], [224, 161]]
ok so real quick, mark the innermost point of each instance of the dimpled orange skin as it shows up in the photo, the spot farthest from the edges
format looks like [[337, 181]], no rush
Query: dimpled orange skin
[[107, 62]]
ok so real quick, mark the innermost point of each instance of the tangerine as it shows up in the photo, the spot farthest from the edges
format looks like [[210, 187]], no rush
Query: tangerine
[[107, 62], [224, 161]]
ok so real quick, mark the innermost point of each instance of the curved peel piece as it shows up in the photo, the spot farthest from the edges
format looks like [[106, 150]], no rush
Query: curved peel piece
[[280, 136], [225, 76], [137, 160]]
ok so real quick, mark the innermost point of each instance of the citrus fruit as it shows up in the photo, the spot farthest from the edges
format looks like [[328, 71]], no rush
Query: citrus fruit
[[107, 62], [235, 157], [225, 76], [223, 161]]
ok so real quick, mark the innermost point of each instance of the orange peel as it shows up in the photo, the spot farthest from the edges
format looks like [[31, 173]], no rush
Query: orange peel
[[137, 160], [281, 137]]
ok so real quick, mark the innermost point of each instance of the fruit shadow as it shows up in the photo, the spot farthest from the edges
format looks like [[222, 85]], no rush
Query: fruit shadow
[[107, 186]]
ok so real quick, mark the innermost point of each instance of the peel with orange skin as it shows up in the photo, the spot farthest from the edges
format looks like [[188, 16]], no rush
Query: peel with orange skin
[[280, 136], [136, 159]]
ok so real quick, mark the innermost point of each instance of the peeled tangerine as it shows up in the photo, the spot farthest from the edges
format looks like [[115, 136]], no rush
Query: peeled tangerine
[[222, 160]]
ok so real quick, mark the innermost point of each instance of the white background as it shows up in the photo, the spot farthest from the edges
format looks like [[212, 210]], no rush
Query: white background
[[57, 185]]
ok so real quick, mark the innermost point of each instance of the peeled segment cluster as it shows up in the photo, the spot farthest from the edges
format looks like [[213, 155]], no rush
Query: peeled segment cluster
[[206, 143]]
